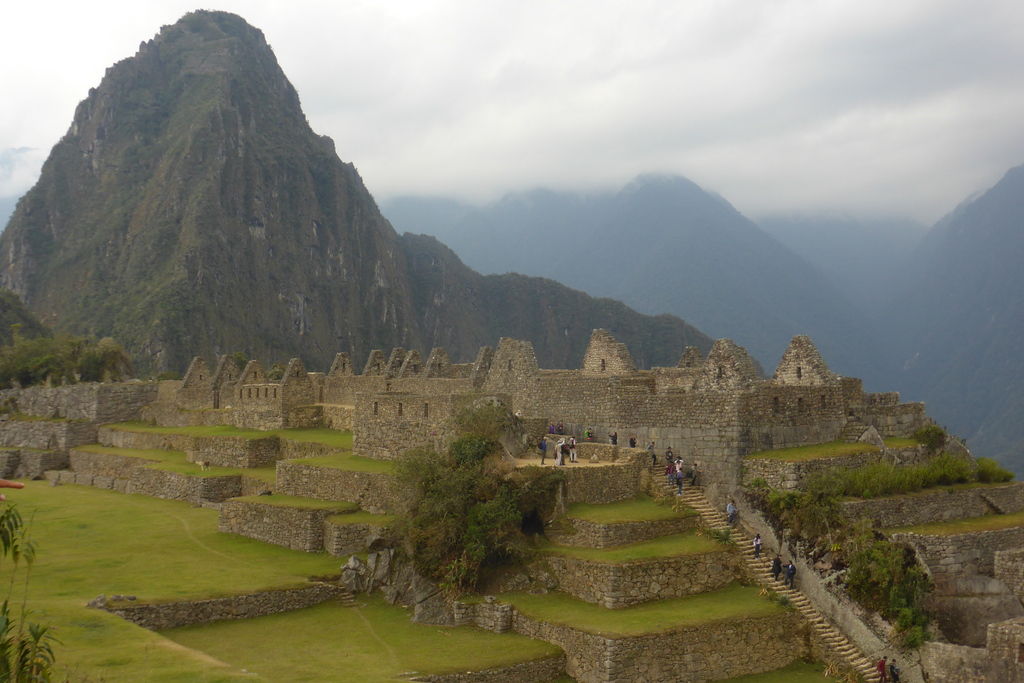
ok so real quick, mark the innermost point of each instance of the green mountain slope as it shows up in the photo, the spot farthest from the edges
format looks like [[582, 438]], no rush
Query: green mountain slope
[[190, 209]]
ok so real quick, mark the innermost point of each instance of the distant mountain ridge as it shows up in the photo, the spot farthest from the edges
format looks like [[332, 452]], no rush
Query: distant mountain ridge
[[661, 244], [190, 209]]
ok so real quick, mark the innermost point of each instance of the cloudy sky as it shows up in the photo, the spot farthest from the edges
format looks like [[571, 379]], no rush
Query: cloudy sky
[[874, 106]]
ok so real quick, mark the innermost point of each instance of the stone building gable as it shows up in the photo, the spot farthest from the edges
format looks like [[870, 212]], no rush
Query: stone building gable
[[226, 374], [691, 358], [394, 366], [728, 367], [438, 365], [341, 367], [375, 364], [801, 364], [412, 366], [606, 356], [198, 375], [295, 374], [253, 374], [482, 366]]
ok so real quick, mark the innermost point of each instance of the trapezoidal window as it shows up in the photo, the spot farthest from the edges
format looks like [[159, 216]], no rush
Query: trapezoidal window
[[1020, 653], [399, 410], [602, 365], [510, 365], [775, 404], [799, 405], [824, 402], [375, 408], [721, 372], [799, 372], [426, 410]]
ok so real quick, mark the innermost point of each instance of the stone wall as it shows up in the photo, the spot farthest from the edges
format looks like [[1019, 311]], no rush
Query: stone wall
[[1009, 568], [966, 554], [389, 424], [234, 451], [173, 614], [540, 671], [607, 484], [699, 653], [93, 402], [615, 586], [176, 486], [780, 474], [119, 438], [295, 528], [954, 663], [592, 535], [345, 538], [372, 491], [1006, 652], [105, 464], [46, 435], [26, 463], [340, 417], [938, 505]]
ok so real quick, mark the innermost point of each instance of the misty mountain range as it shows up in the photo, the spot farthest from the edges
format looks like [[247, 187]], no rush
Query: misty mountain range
[[933, 314]]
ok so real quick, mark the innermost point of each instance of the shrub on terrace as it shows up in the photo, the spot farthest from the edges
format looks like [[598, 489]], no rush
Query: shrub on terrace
[[991, 472]]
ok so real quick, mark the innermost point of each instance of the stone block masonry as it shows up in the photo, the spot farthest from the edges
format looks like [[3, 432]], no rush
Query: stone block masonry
[[607, 484], [26, 463], [616, 586], [295, 528], [176, 486], [938, 505], [962, 554], [342, 539], [781, 474], [1009, 568], [96, 403], [46, 435], [374, 492], [540, 671], [592, 535], [173, 614]]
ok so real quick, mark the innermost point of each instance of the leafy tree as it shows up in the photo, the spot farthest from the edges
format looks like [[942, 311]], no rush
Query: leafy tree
[[62, 359]]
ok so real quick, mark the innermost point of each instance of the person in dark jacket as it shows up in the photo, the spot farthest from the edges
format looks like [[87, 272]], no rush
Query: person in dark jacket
[[776, 567]]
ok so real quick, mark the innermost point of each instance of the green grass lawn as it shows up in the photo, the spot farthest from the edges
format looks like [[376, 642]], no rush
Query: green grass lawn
[[731, 602], [330, 437], [833, 449], [373, 642], [174, 461], [965, 526], [688, 543], [797, 672], [349, 462], [896, 443], [299, 502], [94, 541], [639, 509]]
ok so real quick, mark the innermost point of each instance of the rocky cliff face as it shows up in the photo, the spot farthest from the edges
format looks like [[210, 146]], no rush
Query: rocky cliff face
[[191, 209]]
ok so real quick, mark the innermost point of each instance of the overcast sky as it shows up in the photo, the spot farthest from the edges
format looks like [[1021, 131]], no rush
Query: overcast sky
[[899, 107]]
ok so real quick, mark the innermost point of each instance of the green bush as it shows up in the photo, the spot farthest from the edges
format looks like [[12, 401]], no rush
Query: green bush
[[932, 436], [991, 472], [470, 450], [63, 359]]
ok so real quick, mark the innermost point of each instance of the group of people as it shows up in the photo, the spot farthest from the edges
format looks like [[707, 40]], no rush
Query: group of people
[[675, 471], [563, 449], [790, 578], [888, 671]]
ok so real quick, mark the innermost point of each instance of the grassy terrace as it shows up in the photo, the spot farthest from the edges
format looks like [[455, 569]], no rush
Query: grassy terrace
[[174, 461], [833, 449], [965, 526], [639, 509], [94, 541], [732, 602], [665, 546], [299, 503], [349, 463], [330, 437]]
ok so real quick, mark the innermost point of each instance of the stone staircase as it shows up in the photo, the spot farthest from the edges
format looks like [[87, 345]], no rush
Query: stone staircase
[[848, 652]]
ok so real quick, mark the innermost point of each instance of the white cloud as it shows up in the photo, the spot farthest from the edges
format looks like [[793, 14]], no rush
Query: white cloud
[[778, 104]]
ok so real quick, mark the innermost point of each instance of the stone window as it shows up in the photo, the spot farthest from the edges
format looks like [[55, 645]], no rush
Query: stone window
[[824, 402], [1020, 653], [426, 410], [239, 393], [721, 372], [250, 392], [602, 365], [399, 410], [775, 404], [321, 393], [510, 364], [799, 372], [375, 408], [799, 405]]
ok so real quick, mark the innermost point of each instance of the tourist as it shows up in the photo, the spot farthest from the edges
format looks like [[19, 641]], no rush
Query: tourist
[[679, 474], [654, 456], [560, 450], [670, 457], [883, 669], [632, 441], [791, 575], [543, 446], [588, 434], [894, 672], [776, 568], [694, 474], [731, 510], [670, 471], [757, 547], [572, 449], [613, 438], [551, 428], [560, 428]]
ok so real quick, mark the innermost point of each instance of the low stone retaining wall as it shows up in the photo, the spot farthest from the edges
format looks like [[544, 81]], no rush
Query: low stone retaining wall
[[46, 435], [119, 438], [593, 535], [615, 586], [540, 671], [174, 614], [177, 486], [92, 401], [25, 463], [305, 449], [295, 528], [104, 464], [339, 417], [965, 554], [954, 663], [1009, 568], [234, 451], [372, 491], [699, 653], [344, 539], [938, 505], [780, 474], [607, 484]]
